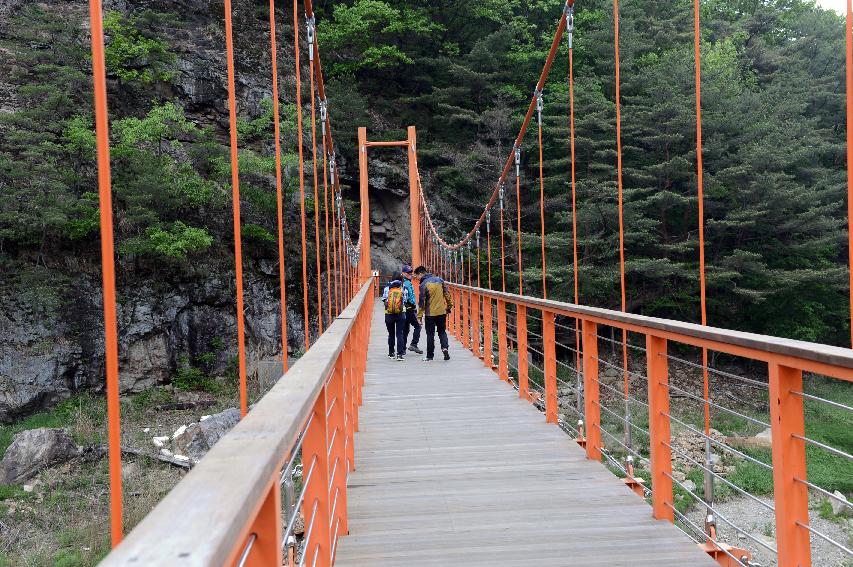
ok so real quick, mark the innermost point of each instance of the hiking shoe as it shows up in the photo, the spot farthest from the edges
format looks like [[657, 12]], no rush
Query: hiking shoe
[[446, 354], [399, 358], [425, 359], [391, 355], [414, 348]]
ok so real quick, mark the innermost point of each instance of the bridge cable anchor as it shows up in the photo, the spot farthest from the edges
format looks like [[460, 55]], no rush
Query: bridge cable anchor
[[631, 481]]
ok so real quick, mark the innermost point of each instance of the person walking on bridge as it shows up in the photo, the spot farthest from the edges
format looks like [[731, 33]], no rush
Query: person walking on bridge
[[411, 310], [395, 296], [434, 305]]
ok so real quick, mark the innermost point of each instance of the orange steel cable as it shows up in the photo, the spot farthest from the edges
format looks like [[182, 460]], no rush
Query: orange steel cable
[[301, 171], [849, 82], [542, 203], [102, 130], [546, 69], [328, 246], [574, 199], [619, 184], [316, 188], [518, 214], [278, 187], [700, 191], [235, 196]]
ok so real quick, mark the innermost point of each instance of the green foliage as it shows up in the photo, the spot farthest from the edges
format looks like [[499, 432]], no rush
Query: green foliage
[[62, 415], [176, 241], [134, 55]]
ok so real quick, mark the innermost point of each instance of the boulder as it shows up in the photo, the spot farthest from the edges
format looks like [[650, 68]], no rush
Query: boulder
[[762, 440], [197, 438], [34, 450], [839, 508]]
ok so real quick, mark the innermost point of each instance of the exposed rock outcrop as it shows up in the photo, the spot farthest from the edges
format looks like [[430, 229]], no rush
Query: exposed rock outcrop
[[34, 450]]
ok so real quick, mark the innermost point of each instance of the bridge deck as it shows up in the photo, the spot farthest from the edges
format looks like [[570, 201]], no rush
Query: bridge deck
[[454, 469]]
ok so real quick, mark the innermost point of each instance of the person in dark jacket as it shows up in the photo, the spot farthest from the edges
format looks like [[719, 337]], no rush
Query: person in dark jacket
[[411, 310], [434, 305]]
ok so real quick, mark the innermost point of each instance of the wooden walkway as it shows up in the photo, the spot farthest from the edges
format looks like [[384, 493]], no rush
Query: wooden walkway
[[452, 468]]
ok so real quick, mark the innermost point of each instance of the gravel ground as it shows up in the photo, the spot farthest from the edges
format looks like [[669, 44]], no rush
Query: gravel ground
[[758, 522]]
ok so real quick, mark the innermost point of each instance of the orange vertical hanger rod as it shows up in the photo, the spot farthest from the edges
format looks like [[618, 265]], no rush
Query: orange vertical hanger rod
[[235, 196], [697, 54], [542, 197], [311, 50], [301, 172], [619, 184], [102, 129], [570, 28], [849, 82], [518, 215], [278, 187]]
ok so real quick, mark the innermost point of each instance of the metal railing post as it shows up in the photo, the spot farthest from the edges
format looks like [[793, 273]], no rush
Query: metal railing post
[[488, 353], [550, 366], [503, 362], [789, 462], [266, 549], [521, 333], [316, 505], [590, 385], [466, 318], [351, 407], [338, 453], [475, 326], [659, 425]]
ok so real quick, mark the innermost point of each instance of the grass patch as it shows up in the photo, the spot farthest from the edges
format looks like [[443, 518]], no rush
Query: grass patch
[[83, 409]]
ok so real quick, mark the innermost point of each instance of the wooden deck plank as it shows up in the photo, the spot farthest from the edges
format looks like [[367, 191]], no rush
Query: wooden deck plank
[[454, 469]]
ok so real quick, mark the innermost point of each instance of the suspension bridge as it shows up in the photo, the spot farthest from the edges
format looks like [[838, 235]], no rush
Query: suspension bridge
[[502, 455]]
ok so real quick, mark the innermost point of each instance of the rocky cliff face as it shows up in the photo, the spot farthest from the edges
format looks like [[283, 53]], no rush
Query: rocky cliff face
[[48, 354]]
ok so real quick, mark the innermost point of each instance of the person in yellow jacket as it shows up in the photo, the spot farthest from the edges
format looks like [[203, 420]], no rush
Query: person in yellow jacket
[[433, 306]]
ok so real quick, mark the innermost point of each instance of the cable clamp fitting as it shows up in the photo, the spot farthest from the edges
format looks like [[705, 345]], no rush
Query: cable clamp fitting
[[323, 114], [309, 31], [489, 221], [538, 94], [501, 196], [517, 161], [570, 21], [478, 239]]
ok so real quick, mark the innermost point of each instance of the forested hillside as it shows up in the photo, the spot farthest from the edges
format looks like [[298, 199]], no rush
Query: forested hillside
[[462, 72], [774, 144]]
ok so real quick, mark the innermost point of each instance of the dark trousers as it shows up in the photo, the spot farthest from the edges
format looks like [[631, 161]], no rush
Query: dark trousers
[[412, 320], [396, 325], [438, 322]]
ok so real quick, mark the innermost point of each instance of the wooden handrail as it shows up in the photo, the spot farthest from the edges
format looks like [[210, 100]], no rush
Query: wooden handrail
[[209, 514], [813, 357]]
